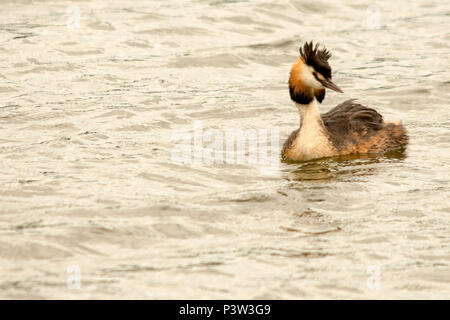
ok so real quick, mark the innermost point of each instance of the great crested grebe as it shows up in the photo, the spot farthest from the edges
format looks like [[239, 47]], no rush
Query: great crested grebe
[[348, 128]]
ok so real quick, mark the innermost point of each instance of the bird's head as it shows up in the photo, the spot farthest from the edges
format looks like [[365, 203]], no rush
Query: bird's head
[[311, 74]]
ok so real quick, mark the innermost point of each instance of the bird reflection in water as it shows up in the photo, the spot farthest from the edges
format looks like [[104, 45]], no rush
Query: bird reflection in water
[[335, 168]]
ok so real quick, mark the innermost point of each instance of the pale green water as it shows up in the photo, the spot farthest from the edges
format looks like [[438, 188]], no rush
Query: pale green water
[[86, 119]]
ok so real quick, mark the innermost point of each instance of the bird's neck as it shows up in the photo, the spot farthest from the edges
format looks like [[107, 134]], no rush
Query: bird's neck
[[312, 140], [310, 119]]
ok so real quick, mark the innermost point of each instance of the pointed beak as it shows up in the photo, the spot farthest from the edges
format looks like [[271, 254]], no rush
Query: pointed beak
[[327, 83]]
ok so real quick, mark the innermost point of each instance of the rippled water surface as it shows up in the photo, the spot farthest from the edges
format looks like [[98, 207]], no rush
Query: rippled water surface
[[87, 179]]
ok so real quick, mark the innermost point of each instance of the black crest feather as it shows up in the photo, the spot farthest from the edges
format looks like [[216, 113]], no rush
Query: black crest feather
[[316, 58]]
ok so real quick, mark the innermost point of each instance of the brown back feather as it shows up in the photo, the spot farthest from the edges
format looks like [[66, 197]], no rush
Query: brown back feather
[[350, 118]]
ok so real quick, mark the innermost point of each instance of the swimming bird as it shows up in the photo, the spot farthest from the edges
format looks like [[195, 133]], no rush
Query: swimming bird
[[348, 128]]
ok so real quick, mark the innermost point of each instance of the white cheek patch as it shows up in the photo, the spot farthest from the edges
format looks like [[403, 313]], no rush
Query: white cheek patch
[[309, 79]]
